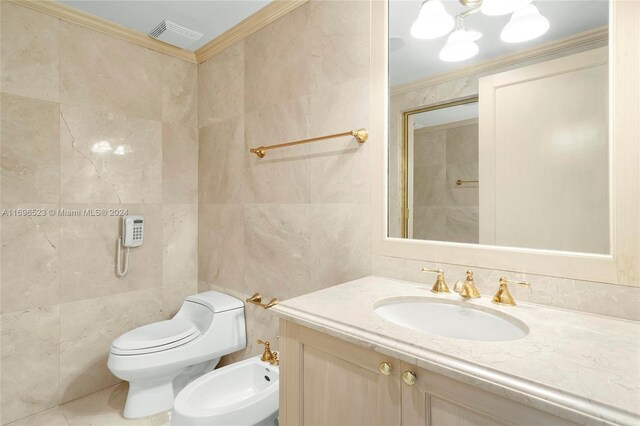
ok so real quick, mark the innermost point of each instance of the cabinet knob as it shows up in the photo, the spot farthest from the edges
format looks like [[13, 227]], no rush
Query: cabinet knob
[[409, 378], [385, 368]]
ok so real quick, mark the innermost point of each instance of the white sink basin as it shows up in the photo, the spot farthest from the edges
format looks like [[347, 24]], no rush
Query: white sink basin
[[452, 319]]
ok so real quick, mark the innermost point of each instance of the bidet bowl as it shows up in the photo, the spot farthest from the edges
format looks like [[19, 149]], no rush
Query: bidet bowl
[[449, 318], [243, 393]]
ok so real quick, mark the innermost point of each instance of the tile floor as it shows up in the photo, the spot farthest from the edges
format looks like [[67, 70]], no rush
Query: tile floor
[[102, 408]]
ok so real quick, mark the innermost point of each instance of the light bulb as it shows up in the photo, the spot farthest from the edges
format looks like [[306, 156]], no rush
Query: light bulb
[[433, 21], [461, 45], [525, 24], [502, 7]]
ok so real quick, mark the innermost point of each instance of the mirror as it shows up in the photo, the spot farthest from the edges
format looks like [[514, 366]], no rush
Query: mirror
[[499, 123]]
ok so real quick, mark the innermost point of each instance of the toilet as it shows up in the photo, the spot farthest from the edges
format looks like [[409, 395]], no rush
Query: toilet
[[244, 393], [157, 359]]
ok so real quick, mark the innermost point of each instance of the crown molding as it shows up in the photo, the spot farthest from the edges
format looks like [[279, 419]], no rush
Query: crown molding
[[594, 36], [84, 19], [274, 10], [271, 12]]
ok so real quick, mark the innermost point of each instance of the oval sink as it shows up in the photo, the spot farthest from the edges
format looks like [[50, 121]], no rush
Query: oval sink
[[452, 319]]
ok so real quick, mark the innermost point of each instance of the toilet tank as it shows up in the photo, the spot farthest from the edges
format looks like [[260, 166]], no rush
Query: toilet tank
[[219, 317]]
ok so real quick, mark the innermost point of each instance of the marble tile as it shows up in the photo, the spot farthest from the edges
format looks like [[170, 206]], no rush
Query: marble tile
[[463, 224], [179, 92], [179, 164], [462, 163], [30, 150], [30, 250], [221, 86], [180, 254], [282, 176], [107, 73], [430, 223], [88, 253], [221, 244], [29, 345], [339, 168], [277, 248], [221, 162], [467, 194], [279, 49], [51, 417], [108, 158], [429, 185], [340, 243], [338, 39], [104, 408], [29, 58], [87, 328], [429, 148]]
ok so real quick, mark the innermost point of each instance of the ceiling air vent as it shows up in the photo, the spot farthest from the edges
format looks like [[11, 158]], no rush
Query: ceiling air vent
[[177, 35]]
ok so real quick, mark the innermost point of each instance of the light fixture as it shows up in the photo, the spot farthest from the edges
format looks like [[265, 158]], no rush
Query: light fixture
[[502, 7], [461, 45], [433, 21], [525, 24]]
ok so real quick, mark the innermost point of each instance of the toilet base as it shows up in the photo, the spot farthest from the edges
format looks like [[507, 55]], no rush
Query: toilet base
[[148, 398]]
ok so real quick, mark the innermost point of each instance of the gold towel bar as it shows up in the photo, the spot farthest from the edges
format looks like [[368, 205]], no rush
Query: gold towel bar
[[460, 181], [361, 136], [256, 299]]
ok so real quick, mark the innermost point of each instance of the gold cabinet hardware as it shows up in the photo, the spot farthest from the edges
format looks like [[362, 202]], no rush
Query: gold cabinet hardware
[[469, 289], [503, 296], [256, 299], [385, 368], [440, 285], [361, 135], [409, 377], [268, 356]]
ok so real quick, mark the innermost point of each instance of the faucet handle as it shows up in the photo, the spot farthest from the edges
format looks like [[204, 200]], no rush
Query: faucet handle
[[469, 289], [268, 355], [440, 286], [503, 295]]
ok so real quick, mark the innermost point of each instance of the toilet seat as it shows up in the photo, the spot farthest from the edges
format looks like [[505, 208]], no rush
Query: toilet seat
[[156, 337]]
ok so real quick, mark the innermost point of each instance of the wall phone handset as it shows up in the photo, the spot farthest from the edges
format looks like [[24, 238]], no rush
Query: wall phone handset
[[133, 234]]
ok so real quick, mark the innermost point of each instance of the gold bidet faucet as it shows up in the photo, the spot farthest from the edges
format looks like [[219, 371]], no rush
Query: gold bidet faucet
[[440, 285], [503, 296], [268, 356], [469, 289]]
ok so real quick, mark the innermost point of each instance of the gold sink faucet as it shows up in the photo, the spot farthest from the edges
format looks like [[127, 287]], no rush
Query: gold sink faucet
[[268, 355], [503, 296], [440, 285], [469, 289]]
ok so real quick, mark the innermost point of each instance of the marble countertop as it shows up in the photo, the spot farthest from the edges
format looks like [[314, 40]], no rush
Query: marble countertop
[[583, 367]]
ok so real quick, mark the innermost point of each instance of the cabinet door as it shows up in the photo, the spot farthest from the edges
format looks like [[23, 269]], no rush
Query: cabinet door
[[435, 400], [326, 381]]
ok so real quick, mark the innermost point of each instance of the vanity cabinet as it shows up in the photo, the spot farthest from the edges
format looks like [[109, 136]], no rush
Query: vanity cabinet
[[328, 381]]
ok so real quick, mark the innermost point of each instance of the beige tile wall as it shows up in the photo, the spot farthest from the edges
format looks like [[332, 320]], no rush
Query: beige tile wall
[[297, 220], [87, 122]]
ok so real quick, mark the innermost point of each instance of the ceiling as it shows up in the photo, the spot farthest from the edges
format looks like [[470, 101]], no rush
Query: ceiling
[[209, 17], [417, 59]]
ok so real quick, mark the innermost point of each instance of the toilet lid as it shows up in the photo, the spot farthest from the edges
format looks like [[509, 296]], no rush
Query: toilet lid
[[171, 332]]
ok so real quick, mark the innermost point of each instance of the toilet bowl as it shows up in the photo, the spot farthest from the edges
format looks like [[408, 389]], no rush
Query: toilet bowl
[[244, 393], [156, 359]]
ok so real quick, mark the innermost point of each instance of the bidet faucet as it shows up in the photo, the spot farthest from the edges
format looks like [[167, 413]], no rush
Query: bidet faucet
[[268, 356]]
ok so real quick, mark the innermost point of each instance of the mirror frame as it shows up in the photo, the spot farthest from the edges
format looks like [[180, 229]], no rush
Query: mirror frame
[[622, 266]]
